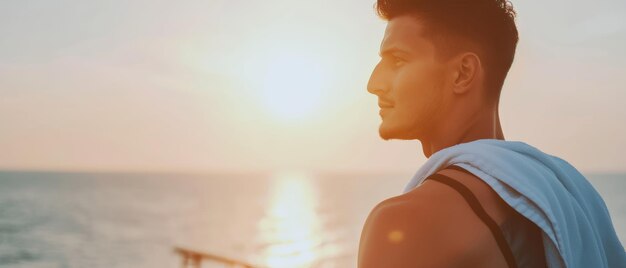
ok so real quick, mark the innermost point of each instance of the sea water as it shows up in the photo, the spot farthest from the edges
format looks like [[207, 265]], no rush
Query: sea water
[[284, 219]]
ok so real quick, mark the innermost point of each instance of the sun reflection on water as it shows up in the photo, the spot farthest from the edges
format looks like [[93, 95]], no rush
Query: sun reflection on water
[[291, 228]]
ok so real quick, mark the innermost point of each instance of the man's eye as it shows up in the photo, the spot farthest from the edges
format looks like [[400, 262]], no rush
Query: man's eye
[[398, 61], [393, 61]]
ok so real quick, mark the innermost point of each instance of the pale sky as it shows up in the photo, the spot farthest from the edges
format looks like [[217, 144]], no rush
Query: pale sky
[[207, 86]]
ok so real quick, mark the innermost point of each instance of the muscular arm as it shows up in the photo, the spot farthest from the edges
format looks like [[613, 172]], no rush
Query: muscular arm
[[432, 226]]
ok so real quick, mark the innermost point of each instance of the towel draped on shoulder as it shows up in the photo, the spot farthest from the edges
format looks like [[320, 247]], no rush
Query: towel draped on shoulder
[[577, 230]]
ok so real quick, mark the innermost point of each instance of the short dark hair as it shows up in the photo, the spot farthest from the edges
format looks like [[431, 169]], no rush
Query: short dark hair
[[452, 25]]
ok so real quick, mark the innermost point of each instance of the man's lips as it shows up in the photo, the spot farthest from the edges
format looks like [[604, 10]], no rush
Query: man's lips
[[384, 104]]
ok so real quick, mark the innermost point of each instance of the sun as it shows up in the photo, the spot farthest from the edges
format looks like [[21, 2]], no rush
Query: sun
[[293, 86]]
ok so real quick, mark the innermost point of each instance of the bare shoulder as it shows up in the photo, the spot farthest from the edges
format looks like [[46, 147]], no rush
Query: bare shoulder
[[493, 204], [433, 226]]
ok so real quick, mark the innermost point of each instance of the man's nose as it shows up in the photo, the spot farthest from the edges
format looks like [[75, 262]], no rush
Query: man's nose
[[377, 85]]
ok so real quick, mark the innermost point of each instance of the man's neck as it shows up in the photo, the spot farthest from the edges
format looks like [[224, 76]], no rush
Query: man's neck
[[484, 125]]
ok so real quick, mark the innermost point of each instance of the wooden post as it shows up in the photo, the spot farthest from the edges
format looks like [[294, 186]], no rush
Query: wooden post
[[197, 261], [185, 261]]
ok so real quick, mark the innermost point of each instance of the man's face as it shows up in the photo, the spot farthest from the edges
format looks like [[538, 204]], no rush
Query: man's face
[[408, 81]]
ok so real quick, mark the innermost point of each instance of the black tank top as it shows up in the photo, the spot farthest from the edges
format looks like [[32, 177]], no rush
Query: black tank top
[[518, 238]]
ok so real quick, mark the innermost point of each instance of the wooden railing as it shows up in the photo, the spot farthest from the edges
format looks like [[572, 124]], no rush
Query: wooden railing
[[192, 258]]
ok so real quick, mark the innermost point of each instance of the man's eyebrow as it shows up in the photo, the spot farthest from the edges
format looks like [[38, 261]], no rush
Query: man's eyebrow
[[391, 50]]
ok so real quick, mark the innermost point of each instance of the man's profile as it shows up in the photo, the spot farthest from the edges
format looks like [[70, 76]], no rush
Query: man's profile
[[479, 200]]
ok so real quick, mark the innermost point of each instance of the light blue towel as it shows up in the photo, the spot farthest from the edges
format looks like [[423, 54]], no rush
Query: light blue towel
[[577, 228]]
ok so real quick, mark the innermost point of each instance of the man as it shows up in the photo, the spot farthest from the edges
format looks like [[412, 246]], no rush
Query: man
[[442, 67]]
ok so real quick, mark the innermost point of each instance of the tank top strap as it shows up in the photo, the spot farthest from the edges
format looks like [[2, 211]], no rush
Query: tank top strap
[[473, 202]]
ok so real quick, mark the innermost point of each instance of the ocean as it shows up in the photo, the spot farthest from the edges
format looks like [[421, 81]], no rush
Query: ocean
[[284, 219]]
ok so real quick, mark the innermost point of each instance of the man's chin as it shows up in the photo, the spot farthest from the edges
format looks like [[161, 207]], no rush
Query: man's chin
[[388, 133]]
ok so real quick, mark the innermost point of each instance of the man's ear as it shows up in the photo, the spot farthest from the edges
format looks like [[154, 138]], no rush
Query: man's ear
[[466, 69]]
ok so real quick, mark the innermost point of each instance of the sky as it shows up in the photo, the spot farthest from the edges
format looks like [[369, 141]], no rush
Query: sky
[[238, 86]]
